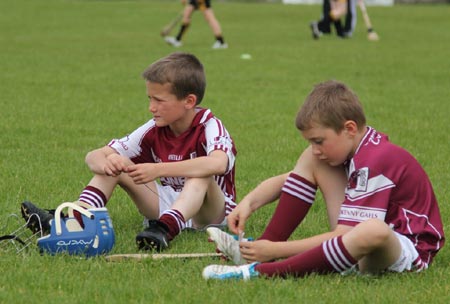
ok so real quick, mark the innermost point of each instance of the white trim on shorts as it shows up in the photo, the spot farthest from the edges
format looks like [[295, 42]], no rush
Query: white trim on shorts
[[407, 257], [404, 263]]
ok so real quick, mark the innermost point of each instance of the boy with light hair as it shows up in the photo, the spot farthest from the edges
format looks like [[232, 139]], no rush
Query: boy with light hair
[[389, 219]]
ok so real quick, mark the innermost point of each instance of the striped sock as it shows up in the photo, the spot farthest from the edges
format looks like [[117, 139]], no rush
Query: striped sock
[[337, 255], [330, 256], [174, 221], [93, 197], [297, 196]]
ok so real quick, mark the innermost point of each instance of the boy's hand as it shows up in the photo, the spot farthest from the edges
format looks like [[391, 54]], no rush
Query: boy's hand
[[258, 251], [237, 218], [116, 164], [142, 173]]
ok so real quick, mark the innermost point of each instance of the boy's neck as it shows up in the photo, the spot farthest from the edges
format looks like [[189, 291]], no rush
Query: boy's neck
[[358, 139], [182, 125]]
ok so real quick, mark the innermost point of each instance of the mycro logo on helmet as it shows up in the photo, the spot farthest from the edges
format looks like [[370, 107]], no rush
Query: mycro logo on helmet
[[73, 243]]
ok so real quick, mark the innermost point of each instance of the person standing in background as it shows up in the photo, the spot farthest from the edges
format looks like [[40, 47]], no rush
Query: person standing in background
[[205, 7]]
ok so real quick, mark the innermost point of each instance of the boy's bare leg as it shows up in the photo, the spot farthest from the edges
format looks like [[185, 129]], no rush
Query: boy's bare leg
[[187, 13], [185, 22], [331, 181], [145, 197], [202, 200], [373, 244], [213, 22], [294, 203]]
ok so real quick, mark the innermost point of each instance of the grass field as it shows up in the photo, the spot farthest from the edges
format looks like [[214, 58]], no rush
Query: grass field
[[70, 82]]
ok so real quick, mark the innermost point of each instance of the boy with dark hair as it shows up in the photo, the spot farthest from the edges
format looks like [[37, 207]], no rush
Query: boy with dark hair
[[184, 146]]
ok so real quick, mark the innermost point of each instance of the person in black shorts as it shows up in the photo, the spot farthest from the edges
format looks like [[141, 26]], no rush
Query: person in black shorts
[[333, 11], [205, 7]]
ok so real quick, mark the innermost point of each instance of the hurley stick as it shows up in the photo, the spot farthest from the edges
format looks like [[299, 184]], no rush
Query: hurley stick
[[158, 256], [169, 27], [371, 34]]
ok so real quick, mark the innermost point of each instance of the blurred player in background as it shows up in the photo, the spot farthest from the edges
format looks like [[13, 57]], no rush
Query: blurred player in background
[[205, 7], [333, 12]]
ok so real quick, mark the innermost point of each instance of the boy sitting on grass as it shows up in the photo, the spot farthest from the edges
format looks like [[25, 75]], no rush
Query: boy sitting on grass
[[184, 146], [389, 219]]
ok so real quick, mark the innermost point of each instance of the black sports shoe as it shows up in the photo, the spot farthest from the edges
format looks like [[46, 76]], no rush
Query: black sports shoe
[[37, 218], [154, 237]]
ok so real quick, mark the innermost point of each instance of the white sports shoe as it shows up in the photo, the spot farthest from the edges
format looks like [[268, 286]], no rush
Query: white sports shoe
[[316, 33], [226, 244], [219, 45], [173, 41], [226, 272]]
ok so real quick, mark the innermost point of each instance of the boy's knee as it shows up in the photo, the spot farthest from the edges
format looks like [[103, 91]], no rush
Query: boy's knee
[[198, 182], [371, 234], [377, 230]]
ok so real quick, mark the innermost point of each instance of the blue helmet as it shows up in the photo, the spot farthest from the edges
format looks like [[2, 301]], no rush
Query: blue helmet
[[68, 236]]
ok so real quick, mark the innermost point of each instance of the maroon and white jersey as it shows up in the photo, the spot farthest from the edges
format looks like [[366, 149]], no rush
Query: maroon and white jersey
[[152, 144], [386, 182]]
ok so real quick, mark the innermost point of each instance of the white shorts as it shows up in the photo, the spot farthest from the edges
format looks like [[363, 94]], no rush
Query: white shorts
[[407, 257], [404, 263], [167, 195]]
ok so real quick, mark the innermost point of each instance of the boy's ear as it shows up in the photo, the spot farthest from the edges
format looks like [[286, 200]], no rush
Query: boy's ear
[[351, 127], [191, 101]]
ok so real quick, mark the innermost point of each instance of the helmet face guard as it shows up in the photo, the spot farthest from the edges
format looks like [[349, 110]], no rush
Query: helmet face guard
[[21, 238], [68, 236]]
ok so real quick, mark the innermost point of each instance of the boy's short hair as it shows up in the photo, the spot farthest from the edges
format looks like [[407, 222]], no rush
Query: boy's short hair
[[182, 70], [330, 104]]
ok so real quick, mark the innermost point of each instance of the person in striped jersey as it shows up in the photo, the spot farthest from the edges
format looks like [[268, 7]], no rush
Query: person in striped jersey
[[388, 219], [183, 145]]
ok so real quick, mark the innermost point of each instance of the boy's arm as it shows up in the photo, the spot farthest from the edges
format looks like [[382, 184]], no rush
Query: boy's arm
[[265, 193], [106, 161], [215, 163]]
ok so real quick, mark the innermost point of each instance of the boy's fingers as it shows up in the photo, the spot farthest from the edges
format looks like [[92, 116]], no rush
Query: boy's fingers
[[241, 227], [129, 168]]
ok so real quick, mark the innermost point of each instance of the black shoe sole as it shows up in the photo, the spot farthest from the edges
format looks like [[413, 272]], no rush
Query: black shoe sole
[[148, 243], [34, 220]]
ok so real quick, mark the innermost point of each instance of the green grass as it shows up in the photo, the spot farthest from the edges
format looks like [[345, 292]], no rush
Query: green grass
[[70, 81]]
